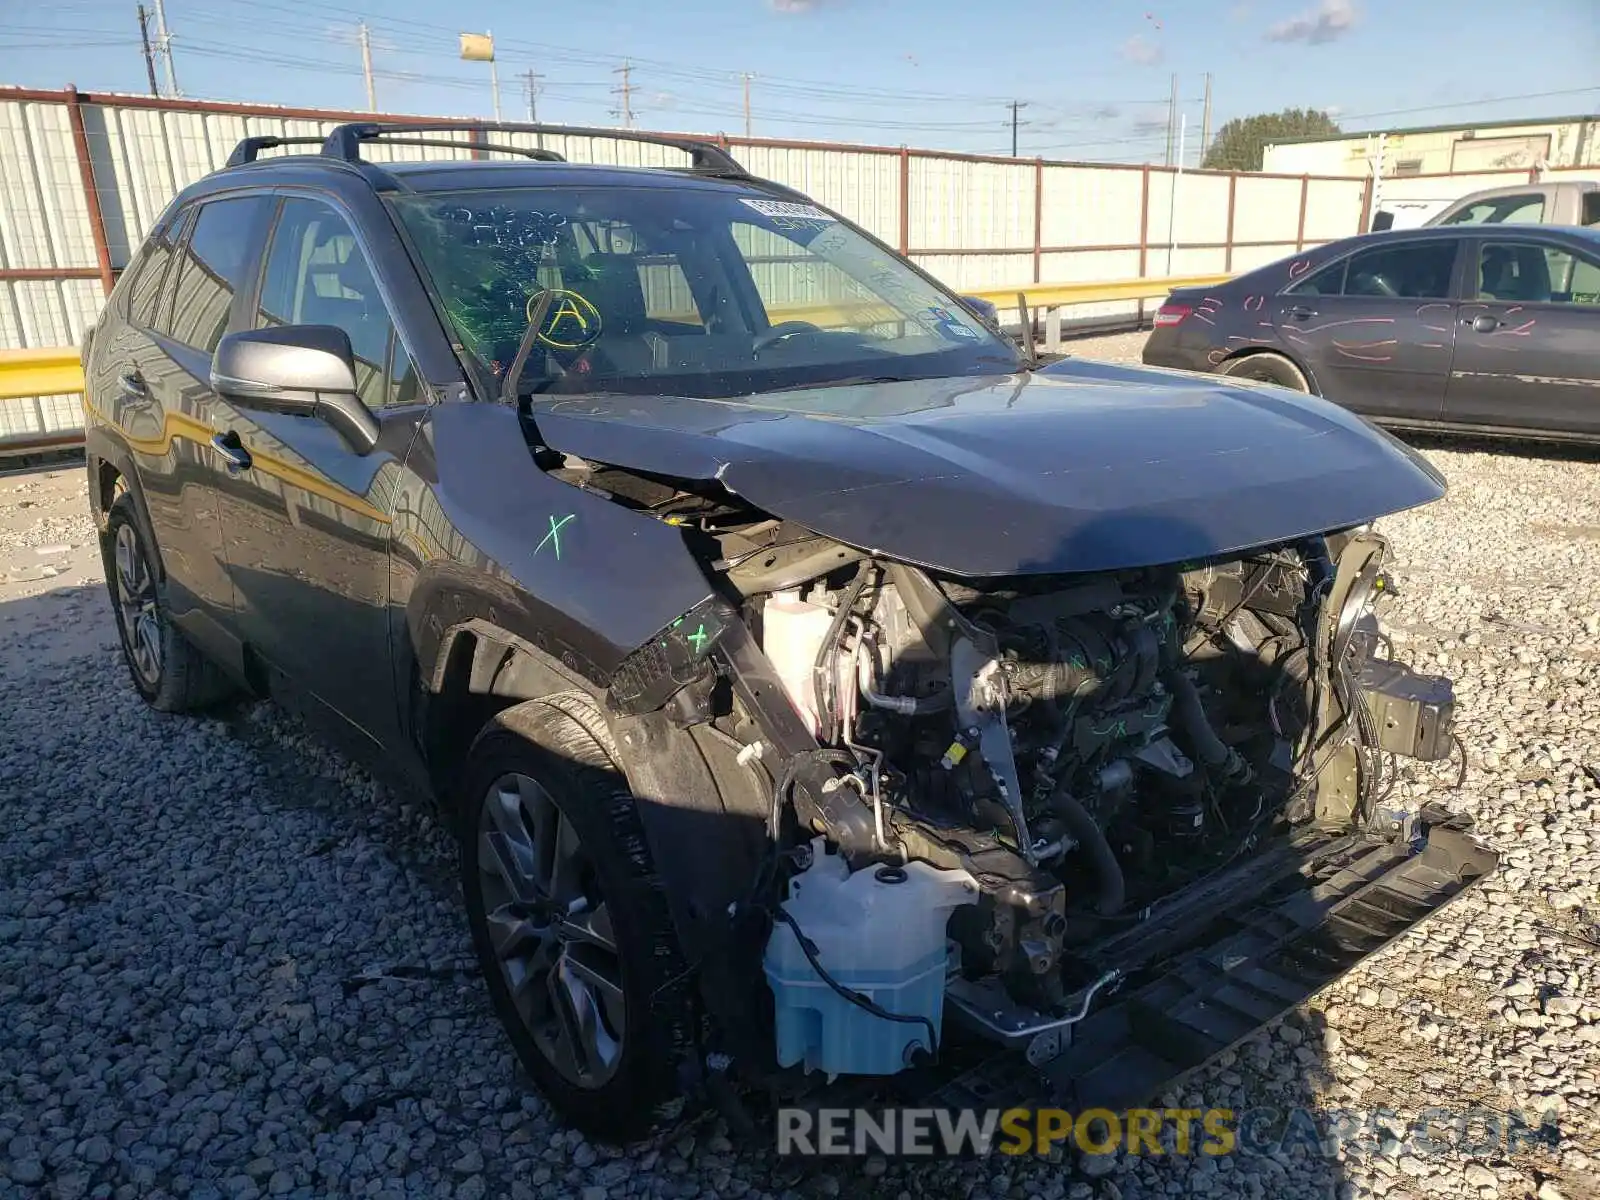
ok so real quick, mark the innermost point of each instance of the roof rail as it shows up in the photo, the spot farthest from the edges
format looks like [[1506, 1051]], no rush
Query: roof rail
[[541, 154], [344, 142], [250, 149]]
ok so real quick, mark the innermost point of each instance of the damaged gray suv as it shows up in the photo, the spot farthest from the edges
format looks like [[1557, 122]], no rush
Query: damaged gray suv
[[821, 690]]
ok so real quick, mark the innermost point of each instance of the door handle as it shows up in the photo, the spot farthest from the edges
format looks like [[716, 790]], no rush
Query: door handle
[[232, 451], [133, 385], [1301, 313], [1482, 323]]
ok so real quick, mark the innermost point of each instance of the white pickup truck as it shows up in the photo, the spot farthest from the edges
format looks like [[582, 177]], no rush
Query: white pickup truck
[[1553, 202]]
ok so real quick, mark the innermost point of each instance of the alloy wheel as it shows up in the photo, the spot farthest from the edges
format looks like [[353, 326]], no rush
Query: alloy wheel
[[136, 600], [551, 930]]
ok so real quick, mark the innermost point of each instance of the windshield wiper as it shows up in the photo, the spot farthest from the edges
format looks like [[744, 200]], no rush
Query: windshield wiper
[[849, 381], [508, 386]]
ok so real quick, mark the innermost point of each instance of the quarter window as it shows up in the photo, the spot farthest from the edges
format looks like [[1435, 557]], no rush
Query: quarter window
[[1412, 271], [210, 269], [147, 275], [316, 274]]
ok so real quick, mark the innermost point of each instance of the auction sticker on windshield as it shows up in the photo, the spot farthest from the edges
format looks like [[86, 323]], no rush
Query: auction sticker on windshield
[[787, 208]]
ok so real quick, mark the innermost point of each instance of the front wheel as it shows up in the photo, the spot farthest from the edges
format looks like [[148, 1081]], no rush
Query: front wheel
[[568, 919]]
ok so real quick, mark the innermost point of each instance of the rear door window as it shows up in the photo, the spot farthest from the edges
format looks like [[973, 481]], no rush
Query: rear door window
[[212, 266]]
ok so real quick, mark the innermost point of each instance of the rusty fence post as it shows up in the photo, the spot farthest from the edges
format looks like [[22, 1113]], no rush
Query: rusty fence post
[[1227, 252], [1038, 219], [1305, 194], [91, 193], [1144, 233], [905, 200]]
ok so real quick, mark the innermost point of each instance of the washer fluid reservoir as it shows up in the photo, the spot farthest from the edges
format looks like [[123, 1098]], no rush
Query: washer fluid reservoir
[[879, 931]]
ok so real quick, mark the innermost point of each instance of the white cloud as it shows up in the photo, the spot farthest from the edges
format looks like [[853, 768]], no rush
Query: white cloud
[[793, 6], [1141, 50], [1328, 21]]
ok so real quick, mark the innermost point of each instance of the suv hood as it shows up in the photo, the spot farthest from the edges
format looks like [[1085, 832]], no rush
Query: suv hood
[[1078, 467]]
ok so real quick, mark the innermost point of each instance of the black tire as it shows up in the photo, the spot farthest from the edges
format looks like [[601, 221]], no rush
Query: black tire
[[167, 670], [563, 744], [1268, 368]]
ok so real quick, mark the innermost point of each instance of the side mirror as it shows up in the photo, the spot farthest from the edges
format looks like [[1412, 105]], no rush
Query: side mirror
[[983, 310], [1382, 220], [302, 370]]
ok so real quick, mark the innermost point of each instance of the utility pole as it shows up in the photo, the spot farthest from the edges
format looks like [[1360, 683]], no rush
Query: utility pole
[[1015, 106], [530, 86], [747, 78], [625, 90], [366, 67], [530, 92], [1205, 123], [1172, 119], [149, 58], [164, 47]]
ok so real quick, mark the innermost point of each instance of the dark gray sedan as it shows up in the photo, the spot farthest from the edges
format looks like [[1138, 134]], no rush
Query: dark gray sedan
[[1487, 330]]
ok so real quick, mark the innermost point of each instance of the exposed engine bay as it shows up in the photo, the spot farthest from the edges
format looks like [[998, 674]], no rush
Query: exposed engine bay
[[1085, 749]]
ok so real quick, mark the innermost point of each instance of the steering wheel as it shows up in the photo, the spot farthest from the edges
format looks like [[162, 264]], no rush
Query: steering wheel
[[780, 332], [1382, 285]]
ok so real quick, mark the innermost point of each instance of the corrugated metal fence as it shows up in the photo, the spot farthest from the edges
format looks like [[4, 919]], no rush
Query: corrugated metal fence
[[83, 176]]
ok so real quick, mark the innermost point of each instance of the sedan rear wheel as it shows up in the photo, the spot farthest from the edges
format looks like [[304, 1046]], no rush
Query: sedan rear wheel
[[1268, 367]]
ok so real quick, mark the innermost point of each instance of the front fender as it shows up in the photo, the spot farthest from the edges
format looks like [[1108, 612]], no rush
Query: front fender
[[484, 534]]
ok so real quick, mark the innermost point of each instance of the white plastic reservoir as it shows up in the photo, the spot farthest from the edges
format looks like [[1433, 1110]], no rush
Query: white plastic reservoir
[[792, 633], [879, 931]]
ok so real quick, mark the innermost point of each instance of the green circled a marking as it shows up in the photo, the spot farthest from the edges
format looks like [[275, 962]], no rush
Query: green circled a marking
[[698, 638], [554, 536]]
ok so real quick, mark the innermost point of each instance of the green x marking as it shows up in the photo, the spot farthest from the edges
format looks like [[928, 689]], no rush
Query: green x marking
[[554, 536], [698, 638]]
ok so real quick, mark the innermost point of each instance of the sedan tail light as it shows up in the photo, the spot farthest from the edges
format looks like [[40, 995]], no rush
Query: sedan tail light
[[1171, 313]]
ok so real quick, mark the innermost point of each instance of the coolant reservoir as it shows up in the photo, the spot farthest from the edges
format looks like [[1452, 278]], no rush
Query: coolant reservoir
[[879, 931], [792, 630]]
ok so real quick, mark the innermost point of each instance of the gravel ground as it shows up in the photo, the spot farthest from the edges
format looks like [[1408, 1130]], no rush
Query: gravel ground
[[231, 965]]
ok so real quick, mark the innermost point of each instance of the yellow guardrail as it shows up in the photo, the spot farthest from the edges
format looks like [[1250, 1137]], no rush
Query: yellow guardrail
[[46, 372], [52, 371], [1051, 295]]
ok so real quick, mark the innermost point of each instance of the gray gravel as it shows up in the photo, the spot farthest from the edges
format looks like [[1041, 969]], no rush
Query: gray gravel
[[232, 966]]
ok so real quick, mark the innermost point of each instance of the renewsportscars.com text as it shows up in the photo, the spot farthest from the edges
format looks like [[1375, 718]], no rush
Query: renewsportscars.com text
[[945, 1132]]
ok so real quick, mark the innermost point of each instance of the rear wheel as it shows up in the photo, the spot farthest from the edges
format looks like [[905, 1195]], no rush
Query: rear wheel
[[167, 670], [1268, 368], [569, 921]]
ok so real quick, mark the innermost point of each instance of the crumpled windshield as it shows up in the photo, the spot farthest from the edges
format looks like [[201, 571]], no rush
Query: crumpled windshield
[[688, 290]]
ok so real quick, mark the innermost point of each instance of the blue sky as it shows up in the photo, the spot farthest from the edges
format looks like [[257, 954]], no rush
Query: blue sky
[[1094, 76]]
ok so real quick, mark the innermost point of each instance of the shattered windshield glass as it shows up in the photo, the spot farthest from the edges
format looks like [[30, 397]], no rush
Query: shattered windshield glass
[[688, 291]]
